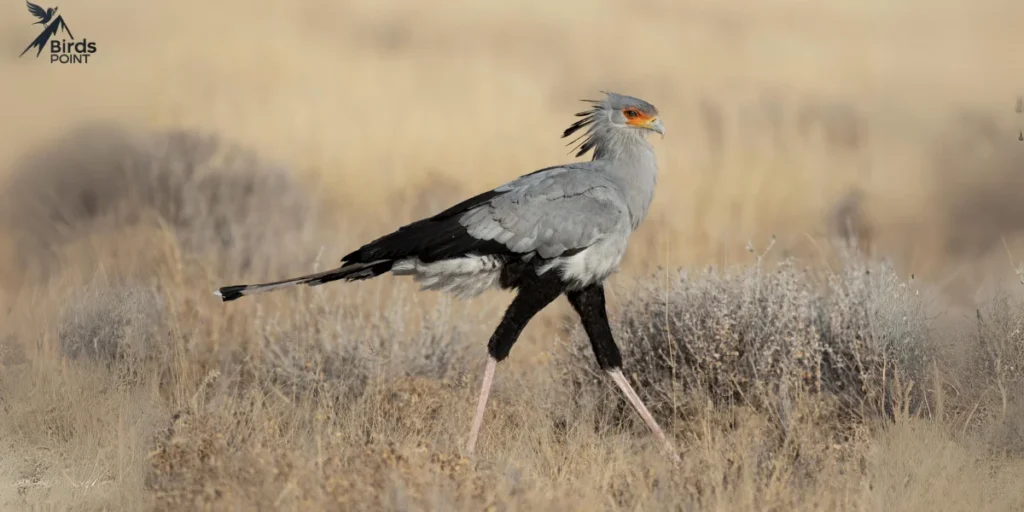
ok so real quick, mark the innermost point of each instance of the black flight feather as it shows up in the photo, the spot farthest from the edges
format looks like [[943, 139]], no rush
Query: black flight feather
[[432, 239]]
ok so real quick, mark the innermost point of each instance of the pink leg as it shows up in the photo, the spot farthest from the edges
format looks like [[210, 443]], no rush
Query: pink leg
[[637, 404], [485, 390]]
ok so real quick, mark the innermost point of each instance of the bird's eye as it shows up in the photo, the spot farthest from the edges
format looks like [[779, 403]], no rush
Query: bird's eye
[[632, 113]]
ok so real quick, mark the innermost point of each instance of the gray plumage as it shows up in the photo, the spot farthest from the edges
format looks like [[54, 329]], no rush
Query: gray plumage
[[575, 219]]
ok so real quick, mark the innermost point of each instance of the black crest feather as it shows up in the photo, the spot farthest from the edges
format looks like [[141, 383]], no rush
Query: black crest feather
[[589, 118]]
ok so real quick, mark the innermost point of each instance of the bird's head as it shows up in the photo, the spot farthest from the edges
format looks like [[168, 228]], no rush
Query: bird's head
[[616, 113], [633, 113]]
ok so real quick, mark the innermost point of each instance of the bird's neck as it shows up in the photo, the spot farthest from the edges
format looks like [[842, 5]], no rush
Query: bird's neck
[[630, 163]]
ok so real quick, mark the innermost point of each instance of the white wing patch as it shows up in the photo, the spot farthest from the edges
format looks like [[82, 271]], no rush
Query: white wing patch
[[464, 277], [591, 265]]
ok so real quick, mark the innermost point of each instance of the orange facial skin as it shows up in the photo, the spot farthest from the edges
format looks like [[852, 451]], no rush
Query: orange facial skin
[[637, 118]]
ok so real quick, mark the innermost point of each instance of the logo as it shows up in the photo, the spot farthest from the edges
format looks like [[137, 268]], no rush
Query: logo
[[62, 51]]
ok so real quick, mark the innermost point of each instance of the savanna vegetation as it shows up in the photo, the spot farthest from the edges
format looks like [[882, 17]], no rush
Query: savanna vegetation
[[824, 309]]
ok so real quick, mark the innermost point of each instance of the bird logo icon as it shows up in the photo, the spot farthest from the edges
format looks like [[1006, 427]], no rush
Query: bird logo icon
[[51, 24], [38, 12]]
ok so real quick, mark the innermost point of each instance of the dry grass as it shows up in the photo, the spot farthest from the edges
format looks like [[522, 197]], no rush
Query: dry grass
[[258, 140]]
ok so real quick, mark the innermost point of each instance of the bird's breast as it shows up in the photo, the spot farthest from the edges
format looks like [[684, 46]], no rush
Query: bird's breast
[[591, 265]]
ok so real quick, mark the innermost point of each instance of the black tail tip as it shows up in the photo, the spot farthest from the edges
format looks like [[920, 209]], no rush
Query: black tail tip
[[230, 292]]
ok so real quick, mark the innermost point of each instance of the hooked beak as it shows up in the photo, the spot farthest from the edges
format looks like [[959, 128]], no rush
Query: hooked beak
[[655, 125]]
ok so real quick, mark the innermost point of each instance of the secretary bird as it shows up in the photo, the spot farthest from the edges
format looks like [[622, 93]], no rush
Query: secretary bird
[[561, 229]]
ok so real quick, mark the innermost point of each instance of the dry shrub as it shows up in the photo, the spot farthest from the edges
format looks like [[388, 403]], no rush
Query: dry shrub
[[983, 379], [335, 341], [217, 198], [112, 322], [767, 336]]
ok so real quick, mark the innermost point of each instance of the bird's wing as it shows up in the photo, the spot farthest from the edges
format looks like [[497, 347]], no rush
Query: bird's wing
[[550, 213], [36, 11]]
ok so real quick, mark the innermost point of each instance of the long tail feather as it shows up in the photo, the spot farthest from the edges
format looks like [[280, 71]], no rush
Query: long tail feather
[[350, 272]]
